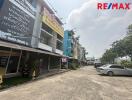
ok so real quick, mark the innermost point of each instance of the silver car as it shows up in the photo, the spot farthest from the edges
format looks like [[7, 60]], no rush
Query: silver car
[[111, 69]]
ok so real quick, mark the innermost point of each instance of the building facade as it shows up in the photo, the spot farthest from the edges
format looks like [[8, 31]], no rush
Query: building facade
[[31, 37], [72, 47], [76, 48], [83, 54], [68, 43], [49, 30]]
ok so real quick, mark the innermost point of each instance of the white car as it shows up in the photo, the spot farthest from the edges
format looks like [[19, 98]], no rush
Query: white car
[[112, 69]]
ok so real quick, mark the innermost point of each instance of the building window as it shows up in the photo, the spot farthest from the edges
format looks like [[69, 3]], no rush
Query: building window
[[1, 3], [59, 45], [59, 37], [32, 2], [4, 55], [9, 60], [45, 39], [13, 62], [47, 28]]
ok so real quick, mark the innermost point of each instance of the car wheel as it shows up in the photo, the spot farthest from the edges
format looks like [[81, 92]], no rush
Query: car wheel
[[110, 73]]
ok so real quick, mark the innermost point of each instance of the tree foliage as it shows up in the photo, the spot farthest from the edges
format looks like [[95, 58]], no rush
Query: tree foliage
[[129, 30], [109, 56], [119, 48]]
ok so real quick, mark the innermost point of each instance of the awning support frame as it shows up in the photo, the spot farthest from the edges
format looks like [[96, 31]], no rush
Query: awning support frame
[[8, 61], [18, 66]]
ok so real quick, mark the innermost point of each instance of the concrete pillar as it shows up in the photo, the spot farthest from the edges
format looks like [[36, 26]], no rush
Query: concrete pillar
[[67, 64], [49, 63], [18, 66], [37, 27], [8, 61], [54, 41], [60, 63]]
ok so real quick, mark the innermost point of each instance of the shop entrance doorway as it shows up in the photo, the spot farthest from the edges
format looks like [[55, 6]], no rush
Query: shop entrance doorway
[[9, 60]]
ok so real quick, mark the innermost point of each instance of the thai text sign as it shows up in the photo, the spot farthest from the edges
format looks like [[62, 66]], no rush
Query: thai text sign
[[16, 21]]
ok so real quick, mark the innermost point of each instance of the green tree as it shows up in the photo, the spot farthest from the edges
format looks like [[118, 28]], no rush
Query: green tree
[[109, 56], [129, 32], [119, 48], [128, 45]]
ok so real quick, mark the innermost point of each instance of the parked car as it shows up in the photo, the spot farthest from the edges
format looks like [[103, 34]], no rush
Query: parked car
[[112, 69], [90, 62], [97, 64]]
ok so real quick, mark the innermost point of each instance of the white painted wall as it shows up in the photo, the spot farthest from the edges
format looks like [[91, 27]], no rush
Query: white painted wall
[[59, 52], [44, 47]]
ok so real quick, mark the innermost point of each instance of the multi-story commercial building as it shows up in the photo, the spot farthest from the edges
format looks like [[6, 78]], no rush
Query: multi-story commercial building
[[76, 48], [72, 47], [68, 43], [83, 54], [30, 35], [50, 32]]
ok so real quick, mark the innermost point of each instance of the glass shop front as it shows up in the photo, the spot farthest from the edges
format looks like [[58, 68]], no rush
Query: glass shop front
[[9, 60]]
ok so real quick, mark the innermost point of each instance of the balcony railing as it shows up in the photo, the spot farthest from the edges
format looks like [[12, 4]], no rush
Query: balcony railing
[[46, 32], [60, 41]]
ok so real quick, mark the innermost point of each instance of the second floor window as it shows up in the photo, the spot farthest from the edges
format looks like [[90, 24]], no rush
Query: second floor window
[[32, 2]]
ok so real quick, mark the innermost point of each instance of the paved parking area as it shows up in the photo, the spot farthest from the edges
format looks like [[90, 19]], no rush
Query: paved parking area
[[81, 84]]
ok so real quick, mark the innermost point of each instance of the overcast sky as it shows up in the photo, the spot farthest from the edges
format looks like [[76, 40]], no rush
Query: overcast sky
[[97, 29]]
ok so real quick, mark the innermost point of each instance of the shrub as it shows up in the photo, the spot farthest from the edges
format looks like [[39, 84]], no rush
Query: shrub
[[127, 64], [72, 66]]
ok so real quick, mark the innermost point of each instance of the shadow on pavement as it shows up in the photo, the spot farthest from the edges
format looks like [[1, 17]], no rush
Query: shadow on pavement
[[115, 75]]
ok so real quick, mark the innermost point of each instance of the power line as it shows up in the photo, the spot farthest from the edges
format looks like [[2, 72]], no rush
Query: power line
[[56, 12]]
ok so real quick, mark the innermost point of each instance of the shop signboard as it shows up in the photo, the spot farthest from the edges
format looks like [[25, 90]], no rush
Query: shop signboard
[[17, 19], [50, 20], [64, 60]]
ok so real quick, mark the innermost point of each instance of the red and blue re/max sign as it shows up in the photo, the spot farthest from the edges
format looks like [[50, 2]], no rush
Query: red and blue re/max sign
[[113, 6]]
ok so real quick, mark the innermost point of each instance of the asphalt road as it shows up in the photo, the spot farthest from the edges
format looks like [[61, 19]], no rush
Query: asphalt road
[[82, 84]]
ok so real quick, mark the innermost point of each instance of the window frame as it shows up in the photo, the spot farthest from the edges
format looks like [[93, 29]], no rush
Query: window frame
[[116, 67]]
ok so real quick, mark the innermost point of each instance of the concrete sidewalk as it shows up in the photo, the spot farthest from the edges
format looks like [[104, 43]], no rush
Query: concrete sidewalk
[[47, 74]]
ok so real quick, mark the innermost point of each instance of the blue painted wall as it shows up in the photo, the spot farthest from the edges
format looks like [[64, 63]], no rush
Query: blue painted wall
[[68, 44]]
